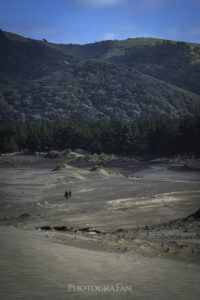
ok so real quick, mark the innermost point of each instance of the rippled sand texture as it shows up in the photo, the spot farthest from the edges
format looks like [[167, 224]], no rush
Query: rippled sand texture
[[37, 264], [35, 267]]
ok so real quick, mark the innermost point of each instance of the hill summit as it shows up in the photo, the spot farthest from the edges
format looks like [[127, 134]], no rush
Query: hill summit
[[127, 80]]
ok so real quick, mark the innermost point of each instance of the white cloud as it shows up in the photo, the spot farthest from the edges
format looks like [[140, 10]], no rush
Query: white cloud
[[39, 29], [109, 36], [98, 3], [183, 34], [146, 6], [172, 33], [32, 27], [140, 6], [194, 32], [151, 5]]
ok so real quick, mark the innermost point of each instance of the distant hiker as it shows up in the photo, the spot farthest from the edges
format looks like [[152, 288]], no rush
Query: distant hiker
[[66, 194], [70, 193]]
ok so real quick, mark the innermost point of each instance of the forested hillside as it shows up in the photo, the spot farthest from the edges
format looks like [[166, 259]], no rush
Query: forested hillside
[[126, 80], [160, 136]]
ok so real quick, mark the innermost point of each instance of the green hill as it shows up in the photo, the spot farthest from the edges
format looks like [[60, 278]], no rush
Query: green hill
[[125, 80]]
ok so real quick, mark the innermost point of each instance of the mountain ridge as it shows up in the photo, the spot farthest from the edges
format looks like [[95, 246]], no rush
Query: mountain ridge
[[127, 80]]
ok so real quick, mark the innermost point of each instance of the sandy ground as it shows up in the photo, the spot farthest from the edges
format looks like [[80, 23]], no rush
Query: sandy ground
[[129, 229]]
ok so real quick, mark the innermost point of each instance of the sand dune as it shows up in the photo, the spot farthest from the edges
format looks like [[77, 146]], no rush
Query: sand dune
[[113, 230]]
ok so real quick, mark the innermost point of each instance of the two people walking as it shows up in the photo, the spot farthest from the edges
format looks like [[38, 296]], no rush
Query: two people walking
[[68, 194]]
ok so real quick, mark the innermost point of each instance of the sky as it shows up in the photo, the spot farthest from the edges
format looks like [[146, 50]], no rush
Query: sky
[[88, 21]]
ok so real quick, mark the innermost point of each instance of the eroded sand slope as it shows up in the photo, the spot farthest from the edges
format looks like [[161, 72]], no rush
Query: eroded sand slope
[[114, 229]]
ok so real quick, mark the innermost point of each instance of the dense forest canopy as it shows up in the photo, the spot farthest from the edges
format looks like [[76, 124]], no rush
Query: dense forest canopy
[[126, 80], [161, 136]]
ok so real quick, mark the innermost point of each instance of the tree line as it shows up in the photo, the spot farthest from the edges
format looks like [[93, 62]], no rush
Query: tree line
[[157, 136]]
